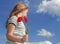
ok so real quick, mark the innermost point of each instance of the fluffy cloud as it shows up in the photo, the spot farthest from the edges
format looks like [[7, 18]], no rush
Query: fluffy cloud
[[44, 42], [58, 43], [44, 32], [51, 6]]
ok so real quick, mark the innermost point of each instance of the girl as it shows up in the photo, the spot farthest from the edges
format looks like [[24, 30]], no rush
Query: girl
[[16, 30]]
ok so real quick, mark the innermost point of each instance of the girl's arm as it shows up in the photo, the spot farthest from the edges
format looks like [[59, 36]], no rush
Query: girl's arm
[[10, 36]]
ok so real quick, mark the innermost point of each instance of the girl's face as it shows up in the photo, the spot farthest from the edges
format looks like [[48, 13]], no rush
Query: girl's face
[[23, 13]]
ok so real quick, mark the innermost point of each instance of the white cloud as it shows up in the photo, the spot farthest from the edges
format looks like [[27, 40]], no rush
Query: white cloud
[[43, 42], [58, 43], [44, 32], [27, 2], [52, 7]]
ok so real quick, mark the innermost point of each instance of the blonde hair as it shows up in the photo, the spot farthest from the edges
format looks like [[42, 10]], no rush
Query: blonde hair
[[17, 9]]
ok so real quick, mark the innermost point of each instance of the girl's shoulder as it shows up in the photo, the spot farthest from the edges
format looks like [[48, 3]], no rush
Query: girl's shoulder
[[13, 20], [13, 17]]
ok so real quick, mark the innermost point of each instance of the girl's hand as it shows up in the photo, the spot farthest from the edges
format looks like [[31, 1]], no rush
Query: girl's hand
[[21, 40], [25, 38]]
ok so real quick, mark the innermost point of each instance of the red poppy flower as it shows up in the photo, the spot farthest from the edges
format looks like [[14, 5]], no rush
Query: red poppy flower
[[19, 19], [25, 19]]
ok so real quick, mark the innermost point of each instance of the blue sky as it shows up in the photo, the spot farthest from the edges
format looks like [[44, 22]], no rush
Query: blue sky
[[44, 20]]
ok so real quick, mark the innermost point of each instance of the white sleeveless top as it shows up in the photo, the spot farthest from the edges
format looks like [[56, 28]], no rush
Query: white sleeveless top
[[19, 30]]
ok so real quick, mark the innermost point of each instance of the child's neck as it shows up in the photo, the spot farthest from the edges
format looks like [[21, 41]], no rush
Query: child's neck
[[19, 15]]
